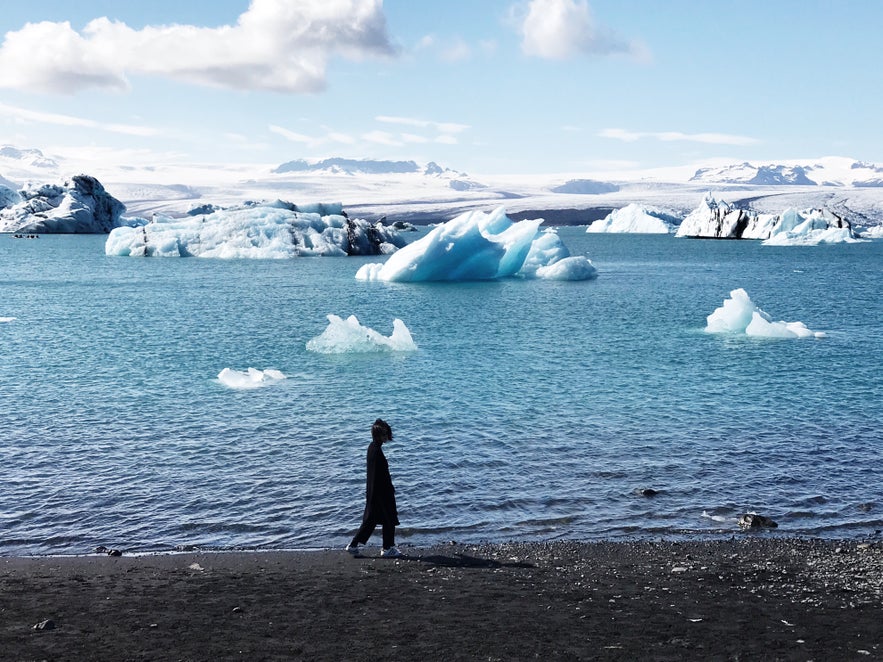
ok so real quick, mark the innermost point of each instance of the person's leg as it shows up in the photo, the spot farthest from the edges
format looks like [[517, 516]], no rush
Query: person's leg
[[389, 535], [364, 532]]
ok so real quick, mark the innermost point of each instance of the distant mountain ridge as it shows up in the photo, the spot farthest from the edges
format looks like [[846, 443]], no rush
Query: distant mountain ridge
[[362, 166], [832, 171], [28, 157]]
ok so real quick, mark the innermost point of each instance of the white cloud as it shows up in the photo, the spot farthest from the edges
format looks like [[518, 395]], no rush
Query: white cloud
[[330, 136], [414, 138], [622, 134], [382, 138], [443, 127], [275, 45], [457, 50], [338, 137], [559, 29], [672, 136], [40, 117], [291, 135], [434, 132]]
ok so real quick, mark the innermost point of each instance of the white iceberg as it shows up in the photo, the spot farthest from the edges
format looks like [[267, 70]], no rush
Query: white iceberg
[[716, 219], [249, 379], [739, 314], [274, 230], [480, 246], [79, 205], [6, 319], [635, 219], [809, 228], [350, 337]]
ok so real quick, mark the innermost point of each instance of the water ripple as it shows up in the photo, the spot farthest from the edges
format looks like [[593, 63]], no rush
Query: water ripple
[[533, 410]]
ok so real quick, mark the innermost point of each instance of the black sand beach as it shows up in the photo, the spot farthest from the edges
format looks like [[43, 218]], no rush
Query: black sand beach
[[748, 598]]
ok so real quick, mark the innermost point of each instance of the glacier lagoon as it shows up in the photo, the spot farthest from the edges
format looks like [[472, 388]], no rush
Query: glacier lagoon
[[530, 410]]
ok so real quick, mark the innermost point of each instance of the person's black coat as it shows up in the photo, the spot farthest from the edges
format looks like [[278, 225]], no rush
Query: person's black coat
[[380, 495]]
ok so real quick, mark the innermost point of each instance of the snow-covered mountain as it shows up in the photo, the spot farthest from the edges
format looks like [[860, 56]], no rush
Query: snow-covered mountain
[[25, 159], [420, 193], [830, 171], [362, 166]]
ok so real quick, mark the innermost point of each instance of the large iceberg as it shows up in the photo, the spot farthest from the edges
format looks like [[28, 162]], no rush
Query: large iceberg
[[268, 230], [635, 219], [739, 314], [716, 219], [349, 336], [483, 246], [80, 205]]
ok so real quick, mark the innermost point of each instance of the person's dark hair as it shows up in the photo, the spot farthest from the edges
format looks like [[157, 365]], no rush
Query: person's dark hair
[[381, 431]]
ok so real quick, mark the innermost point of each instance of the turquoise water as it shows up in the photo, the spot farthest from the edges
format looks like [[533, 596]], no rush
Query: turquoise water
[[532, 410]]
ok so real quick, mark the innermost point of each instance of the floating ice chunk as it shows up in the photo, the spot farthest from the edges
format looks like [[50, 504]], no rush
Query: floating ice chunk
[[739, 314], [249, 379], [635, 219], [761, 326], [577, 267], [349, 336], [480, 246], [734, 315], [6, 319]]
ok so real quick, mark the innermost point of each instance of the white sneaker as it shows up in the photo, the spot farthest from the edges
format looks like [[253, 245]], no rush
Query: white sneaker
[[390, 553], [353, 549]]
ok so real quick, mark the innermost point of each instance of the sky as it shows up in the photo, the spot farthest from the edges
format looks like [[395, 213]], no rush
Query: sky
[[481, 86]]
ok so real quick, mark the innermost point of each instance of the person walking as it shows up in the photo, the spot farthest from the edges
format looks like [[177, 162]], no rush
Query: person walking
[[380, 496]]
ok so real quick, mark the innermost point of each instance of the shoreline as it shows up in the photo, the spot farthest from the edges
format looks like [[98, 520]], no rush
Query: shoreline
[[752, 597]]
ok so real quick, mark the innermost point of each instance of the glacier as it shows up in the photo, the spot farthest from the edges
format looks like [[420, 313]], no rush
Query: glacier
[[350, 336], [272, 230], [482, 246], [634, 218], [717, 219], [739, 314]]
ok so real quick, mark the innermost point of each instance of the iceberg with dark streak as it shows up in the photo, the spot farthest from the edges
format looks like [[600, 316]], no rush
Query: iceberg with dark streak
[[717, 219], [274, 230]]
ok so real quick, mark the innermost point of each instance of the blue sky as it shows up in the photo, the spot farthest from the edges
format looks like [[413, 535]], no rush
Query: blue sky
[[486, 86]]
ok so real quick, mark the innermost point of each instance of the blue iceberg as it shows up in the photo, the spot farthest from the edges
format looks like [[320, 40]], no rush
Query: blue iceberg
[[483, 246]]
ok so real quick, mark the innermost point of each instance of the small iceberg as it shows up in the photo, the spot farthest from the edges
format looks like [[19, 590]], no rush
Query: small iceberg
[[350, 337], [249, 379], [6, 319], [739, 314], [635, 219]]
